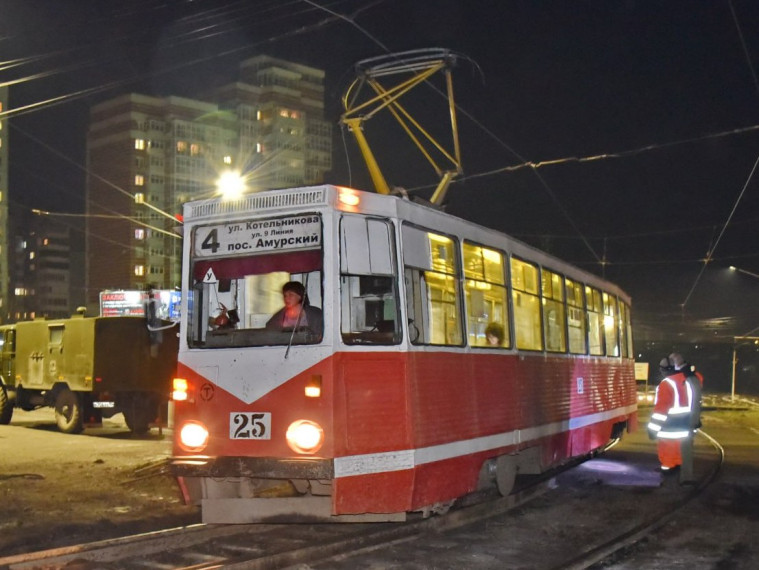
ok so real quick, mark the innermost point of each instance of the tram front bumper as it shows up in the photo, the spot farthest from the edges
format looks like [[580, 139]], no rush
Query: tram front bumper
[[253, 467]]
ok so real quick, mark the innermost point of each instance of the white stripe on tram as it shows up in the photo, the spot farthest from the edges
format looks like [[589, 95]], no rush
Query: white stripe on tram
[[389, 461]]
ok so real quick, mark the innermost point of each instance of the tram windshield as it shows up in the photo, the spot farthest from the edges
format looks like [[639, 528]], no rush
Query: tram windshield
[[266, 290]]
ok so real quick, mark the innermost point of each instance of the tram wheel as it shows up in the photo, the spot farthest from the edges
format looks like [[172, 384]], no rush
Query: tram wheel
[[505, 474], [68, 412]]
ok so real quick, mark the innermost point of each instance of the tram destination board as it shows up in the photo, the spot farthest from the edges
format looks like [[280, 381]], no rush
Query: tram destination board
[[256, 236]]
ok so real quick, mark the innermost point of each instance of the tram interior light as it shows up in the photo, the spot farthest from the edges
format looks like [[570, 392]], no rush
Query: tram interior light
[[193, 436], [304, 436]]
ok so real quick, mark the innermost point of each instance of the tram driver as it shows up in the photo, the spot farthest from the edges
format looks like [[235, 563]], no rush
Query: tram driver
[[297, 314]]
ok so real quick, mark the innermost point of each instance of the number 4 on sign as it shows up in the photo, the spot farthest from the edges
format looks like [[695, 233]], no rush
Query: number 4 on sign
[[210, 277]]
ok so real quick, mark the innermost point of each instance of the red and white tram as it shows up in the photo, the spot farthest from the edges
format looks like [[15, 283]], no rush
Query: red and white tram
[[451, 357]]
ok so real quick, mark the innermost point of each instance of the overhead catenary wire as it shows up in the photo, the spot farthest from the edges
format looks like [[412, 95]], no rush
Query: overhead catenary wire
[[541, 180], [712, 249], [610, 155], [94, 175], [108, 86], [15, 112], [743, 45], [202, 26]]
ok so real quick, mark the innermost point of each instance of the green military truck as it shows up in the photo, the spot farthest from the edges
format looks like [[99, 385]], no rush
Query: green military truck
[[87, 368]]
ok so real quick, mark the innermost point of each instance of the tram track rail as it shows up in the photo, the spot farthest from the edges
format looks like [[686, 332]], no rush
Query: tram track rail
[[255, 546], [611, 542], [656, 520]]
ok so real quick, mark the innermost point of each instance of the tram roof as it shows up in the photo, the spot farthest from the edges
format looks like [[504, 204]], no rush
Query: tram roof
[[277, 202]]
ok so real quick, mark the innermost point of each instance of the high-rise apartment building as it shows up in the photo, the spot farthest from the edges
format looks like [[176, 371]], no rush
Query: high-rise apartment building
[[42, 273], [149, 155], [4, 229]]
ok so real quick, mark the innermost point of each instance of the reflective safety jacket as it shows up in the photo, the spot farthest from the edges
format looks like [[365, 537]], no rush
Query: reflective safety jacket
[[674, 407]]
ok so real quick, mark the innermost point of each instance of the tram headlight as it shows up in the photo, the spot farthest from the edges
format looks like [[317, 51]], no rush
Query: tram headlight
[[193, 436], [304, 436]]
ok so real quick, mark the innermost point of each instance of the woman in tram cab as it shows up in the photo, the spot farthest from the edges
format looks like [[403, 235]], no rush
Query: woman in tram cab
[[297, 313]]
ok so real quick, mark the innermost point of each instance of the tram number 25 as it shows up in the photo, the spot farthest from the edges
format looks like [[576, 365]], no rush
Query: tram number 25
[[249, 425]]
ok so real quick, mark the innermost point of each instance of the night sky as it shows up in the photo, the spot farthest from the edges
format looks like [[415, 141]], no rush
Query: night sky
[[664, 95]]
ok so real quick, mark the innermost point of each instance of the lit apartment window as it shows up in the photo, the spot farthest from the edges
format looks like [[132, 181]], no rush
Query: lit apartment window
[[139, 144], [227, 159], [139, 270], [181, 146], [139, 180], [259, 148], [194, 149], [139, 233], [32, 255], [289, 114], [46, 241]]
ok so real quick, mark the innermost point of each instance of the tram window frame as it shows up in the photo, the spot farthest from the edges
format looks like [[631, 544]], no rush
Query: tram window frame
[[248, 286], [611, 324], [577, 329], [481, 276], [553, 303], [528, 319], [595, 314], [432, 283], [368, 281]]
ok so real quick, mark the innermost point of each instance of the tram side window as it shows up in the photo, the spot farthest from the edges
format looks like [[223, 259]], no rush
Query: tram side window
[[625, 330], [553, 311], [486, 301], [595, 321], [432, 287], [576, 318], [611, 324], [525, 289], [368, 282]]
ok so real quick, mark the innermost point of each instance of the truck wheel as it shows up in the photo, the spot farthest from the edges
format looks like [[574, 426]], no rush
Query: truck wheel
[[6, 407], [68, 412], [139, 413]]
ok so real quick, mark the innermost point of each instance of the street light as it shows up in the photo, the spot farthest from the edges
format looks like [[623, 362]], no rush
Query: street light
[[231, 184], [739, 270]]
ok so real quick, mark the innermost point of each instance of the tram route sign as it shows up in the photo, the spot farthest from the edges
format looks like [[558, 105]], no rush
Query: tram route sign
[[258, 236]]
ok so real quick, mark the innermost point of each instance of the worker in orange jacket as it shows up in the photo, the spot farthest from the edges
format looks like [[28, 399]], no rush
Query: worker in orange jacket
[[676, 415]]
